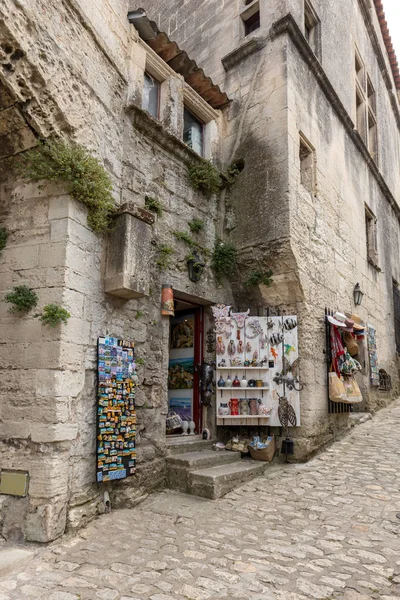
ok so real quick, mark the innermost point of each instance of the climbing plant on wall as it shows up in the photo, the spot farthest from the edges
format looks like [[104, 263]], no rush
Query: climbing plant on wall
[[84, 176]]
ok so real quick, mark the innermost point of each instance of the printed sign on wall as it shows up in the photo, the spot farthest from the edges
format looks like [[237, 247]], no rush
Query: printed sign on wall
[[116, 417]]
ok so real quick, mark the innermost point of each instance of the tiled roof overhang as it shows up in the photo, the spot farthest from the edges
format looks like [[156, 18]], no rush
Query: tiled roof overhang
[[177, 59], [388, 42]]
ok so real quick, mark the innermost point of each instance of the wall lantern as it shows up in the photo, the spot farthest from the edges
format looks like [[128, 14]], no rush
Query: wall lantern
[[195, 267], [358, 294]]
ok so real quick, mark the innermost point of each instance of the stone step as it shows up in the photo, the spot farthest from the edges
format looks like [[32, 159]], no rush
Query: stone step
[[186, 443], [214, 482], [180, 466]]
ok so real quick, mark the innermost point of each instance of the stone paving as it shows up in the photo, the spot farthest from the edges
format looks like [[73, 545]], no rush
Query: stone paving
[[324, 530]]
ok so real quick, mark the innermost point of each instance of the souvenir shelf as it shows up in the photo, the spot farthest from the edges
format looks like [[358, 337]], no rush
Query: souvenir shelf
[[267, 345]]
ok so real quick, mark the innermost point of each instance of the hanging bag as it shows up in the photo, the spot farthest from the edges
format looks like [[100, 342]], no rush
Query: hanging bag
[[351, 344], [337, 393], [353, 391]]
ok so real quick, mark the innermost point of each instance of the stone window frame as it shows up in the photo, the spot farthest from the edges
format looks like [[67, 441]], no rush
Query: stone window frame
[[312, 25], [365, 119], [307, 164], [371, 234], [248, 10], [191, 100]]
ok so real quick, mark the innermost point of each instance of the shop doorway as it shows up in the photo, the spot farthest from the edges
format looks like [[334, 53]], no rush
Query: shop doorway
[[185, 357]]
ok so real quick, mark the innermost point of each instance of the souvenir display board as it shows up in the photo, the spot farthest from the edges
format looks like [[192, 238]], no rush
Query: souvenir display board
[[256, 358], [116, 417], [373, 356]]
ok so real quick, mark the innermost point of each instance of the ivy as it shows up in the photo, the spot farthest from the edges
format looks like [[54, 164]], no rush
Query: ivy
[[259, 278], [22, 298], [223, 260], [164, 254], [53, 314], [196, 225], [154, 205], [3, 238], [205, 178], [84, 176]]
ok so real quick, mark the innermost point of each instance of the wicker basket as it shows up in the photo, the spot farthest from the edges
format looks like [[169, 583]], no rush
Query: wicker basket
[[265, 454], [174, 421]]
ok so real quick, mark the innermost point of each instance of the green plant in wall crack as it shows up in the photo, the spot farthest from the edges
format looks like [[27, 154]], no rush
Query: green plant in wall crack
[[230, 175], [164, 254], [53, 315], [139, 361], [22, 298], [204, 177], [196, 225], [154, 205], [185, 237], [259, 278], [223, 260], [3, 238], [84, 176]]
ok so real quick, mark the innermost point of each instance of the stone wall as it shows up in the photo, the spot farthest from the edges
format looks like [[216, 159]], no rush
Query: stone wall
[[48, 376]]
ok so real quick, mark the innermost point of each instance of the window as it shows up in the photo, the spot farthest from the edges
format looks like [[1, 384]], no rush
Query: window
[[371, 235], [396, 306], [251, 17], [151, 96], [307, 165], [365, 118], [193, 132], [312, 28]]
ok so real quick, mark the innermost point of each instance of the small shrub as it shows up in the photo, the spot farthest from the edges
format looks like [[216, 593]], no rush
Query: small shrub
[[185, 237], [85, 177], [3, 238], [53, 314], [205, 178], [154, 205], [223, 259], [164, 254], [22, 298], [259, 278], [196, 225], [232, 172]]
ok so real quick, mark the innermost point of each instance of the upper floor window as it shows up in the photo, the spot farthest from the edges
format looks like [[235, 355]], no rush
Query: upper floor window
[[312, 28], [308, 177], [251, 17], [193, 132], [151, 95], [365, 108], [371, 235]]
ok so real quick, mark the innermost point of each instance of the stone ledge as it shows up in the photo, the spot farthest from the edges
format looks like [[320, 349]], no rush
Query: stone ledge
[[137, 211], [241, 53]]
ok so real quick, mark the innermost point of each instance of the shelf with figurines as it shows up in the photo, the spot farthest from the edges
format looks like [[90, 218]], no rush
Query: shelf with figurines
[[251, 352]]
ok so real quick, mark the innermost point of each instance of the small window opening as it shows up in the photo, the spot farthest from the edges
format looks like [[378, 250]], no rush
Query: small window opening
[[307, 166], [151, 96], [193, 132], [371, 236], [311, 27], [371, 95], [252, 23], [360, 114], [359, 67], [372, 135]]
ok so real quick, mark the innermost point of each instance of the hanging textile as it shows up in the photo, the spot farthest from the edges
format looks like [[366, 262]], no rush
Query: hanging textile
[[373, 356], [337, 349]]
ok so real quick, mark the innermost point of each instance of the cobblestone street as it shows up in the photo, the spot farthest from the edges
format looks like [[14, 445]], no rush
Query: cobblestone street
[[326, 529]]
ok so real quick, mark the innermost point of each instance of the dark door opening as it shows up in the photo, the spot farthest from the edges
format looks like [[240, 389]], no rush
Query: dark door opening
[[185, 354]]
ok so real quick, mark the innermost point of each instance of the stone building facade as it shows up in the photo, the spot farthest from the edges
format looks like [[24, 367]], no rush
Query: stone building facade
[[283, 102]]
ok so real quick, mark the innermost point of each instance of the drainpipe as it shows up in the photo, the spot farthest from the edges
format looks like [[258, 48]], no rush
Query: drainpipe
[[139, 19]]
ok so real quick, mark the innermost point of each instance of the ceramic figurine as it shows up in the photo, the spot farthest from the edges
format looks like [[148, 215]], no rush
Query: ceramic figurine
[[240, 347], [220, 346], [243, 383], [248, 347], [246, 363], [223, 409], [222, 363], [185, 427], [253, 405], [231, 348], [228, 382], [236, 382], [221, 382], [191, 427]]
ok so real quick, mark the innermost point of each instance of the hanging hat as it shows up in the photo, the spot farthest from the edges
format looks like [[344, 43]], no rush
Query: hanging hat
[[338, 319], [358, 324]]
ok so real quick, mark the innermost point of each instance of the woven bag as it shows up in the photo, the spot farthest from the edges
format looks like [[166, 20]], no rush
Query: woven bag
[[174, 421]]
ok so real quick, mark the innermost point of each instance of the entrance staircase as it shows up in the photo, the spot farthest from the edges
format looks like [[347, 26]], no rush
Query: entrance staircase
[[194, 468]]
